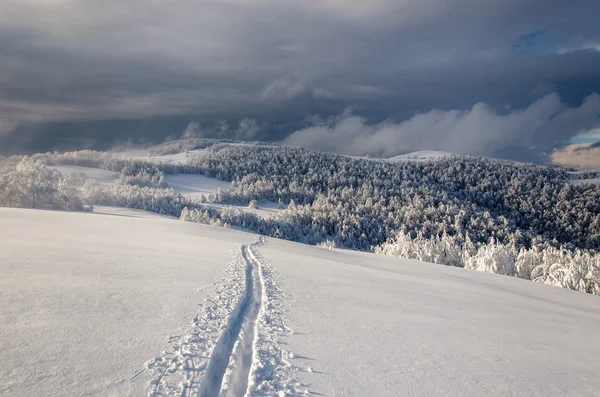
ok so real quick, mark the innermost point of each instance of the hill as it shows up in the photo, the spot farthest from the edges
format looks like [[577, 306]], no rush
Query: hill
[[127, 304], [514, 219]]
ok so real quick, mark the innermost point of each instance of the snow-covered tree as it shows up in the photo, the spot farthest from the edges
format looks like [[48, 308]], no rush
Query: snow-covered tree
[[32, 185]]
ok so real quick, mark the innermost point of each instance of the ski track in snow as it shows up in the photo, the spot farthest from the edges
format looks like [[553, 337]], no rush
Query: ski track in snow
[[232, 348], [233, 353]]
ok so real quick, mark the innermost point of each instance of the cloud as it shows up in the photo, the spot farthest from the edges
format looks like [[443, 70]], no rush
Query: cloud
[[7, 127], [248, 129], [583, 156], [193, 130], [283, 88], [480, 130], [95, 63], [288, 88]]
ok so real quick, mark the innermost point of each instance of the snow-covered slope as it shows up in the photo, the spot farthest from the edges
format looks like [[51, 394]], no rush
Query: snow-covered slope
[[175, 158], [584, 181], [86, 299], [421, 155], [78, 175], [368, 325], [88, 302], [194, 186]]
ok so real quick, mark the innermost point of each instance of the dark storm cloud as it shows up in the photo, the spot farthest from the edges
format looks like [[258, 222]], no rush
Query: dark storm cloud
[[99, 71]]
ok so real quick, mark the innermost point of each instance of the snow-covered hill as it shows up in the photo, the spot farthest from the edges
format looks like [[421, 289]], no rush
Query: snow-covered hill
[[125, 304], [421, 155], [585, 181]]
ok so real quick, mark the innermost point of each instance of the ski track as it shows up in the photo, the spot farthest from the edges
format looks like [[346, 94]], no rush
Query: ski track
[[232, 348], [231, 361]]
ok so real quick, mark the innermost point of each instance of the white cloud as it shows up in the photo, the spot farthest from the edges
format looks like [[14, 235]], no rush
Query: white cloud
[[479, 130], [7, 127], [193, 130], [248, 129]]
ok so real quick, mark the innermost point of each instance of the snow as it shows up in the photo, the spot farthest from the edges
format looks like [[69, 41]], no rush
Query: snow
[[421, 155], [117, 304], [96, 174], [263, 209], [194, 186], [164, 158], [129, 212], [367, 325], [582, 181], [86, 300], [178, 157]]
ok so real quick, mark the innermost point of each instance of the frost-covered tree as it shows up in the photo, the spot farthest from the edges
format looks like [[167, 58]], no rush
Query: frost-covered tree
[[32, 185]]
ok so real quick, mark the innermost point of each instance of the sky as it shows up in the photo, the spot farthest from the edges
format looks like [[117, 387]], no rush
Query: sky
[[513, 78]]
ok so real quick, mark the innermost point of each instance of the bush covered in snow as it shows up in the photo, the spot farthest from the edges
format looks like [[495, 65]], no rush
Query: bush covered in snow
[[161, 201], [576, 269], [32, 185], [81, 158], [142, 174]]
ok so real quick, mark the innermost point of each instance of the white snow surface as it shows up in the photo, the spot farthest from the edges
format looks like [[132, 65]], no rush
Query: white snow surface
[[421, 155], [99, 175], [263, 209], [177, 157], [87, 299], [368, 325], [193, 185], [583, 181], [123, 305]]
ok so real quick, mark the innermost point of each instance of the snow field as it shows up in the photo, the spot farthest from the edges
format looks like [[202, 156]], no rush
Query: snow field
[[172, 158], [421, 155], [103, 293], [87, 299], [194, 186], [369, 325], [109, 305], [76, 176], [584, 181]]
